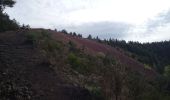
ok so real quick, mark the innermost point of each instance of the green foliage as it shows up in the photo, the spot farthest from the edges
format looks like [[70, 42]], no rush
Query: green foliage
[[6, 24], [32, 37], [167, 71], [96, 91], [74, 61], [79, 64], [50, 45], [101, 55], [4, 3], [35, 37], [147, 66], [140, 88], [155, 54], [43, 39]]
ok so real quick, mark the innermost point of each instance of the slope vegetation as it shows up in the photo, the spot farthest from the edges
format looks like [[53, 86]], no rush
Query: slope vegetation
[[40, 64]]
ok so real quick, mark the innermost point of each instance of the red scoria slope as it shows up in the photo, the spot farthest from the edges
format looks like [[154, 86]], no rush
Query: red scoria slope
[[22, 67], [25, 76], [92, 47]]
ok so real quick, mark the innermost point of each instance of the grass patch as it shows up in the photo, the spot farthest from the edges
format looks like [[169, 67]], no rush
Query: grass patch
[[95, 91], [80, 64], [43, 40], [35, 37], [147, 67], [50, 45]]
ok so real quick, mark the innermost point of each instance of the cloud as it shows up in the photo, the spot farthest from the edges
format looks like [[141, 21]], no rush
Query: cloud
[[61, 14], [106, 18], [155, 29], [44, 13], [159, 27], [160, 20], [104, 30]]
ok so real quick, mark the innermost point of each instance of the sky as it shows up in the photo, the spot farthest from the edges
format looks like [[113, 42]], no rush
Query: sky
[[131, 20]]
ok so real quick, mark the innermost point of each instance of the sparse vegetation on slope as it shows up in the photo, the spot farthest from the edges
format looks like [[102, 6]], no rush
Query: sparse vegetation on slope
[[43, 60], [154, 54], [38, 64]]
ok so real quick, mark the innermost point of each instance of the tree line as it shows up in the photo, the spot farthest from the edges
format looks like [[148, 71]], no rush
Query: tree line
[[6, 23]]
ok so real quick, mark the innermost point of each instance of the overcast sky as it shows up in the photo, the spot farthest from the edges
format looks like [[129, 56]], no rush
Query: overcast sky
[[137, 20]]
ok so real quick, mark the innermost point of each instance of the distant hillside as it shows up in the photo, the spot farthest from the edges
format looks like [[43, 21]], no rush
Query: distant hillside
[[155, 55], [38, 64]]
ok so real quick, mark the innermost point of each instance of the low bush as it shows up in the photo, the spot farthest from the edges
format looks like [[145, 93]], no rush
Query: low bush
[[35, 37], [79, 64], [95, 91]]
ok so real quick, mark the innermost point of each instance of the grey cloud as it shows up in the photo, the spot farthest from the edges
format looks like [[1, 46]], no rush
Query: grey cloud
[[41, 12], [156, 29], [102, 29], [161, 20], [55, 14]]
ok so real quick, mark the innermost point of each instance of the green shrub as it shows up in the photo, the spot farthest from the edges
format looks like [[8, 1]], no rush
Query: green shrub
[[50, 45], [95, 91], [43, 40], [107, 60], [74, 62], [167, 71], [33, 37], [79, 64], [147, 66]]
